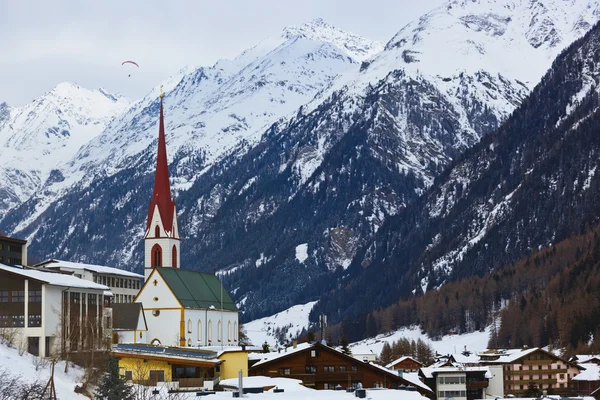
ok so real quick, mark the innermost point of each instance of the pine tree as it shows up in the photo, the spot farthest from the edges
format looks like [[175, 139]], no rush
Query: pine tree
[[386, 354], [344, 344], [113, 386]]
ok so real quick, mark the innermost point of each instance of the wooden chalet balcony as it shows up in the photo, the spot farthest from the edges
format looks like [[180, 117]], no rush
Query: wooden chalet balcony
[[527, 372], [477, 385], [534, 362], [528, 381], [305, 378], [338, 376]]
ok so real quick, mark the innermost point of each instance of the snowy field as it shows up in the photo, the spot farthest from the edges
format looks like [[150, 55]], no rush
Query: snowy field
[[293, 390]]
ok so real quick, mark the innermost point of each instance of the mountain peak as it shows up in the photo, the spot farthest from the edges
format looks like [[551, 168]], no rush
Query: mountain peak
[[317, 29]]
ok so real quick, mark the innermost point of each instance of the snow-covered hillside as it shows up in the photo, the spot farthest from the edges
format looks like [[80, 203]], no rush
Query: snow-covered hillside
[[38, 137], [23, 367], [280, 328], [449, 344]]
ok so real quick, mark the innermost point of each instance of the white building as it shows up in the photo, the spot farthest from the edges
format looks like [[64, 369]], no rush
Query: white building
[[123, 284], [181, 307], [42, 312]]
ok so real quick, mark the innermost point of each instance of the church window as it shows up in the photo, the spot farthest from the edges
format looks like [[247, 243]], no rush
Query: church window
[[235, 332], [174, 256], [189, 342], [155, 299], [157, 231], [199, 330], [220, 331], [156, 313], [189, 326], [209, 331], [229, 331], [156, 256]]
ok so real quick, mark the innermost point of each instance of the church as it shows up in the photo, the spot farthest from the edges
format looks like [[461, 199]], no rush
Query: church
[[181, 307]]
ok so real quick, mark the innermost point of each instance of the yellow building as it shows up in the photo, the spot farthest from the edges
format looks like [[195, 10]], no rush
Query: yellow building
[[153, 365], [233, 361]]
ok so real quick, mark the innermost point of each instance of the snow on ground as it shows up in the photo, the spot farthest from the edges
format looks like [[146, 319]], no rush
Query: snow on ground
[[293, 319], [24, 366], [449, 344], [294, 390]]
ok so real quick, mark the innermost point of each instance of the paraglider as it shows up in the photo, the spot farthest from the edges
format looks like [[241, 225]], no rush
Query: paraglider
[[130, 62]]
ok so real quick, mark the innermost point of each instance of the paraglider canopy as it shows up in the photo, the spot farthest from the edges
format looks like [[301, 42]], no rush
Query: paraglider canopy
[[130, 62]]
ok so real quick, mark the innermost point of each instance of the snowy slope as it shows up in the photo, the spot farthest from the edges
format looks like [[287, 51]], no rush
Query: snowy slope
[[287, 324], [38, 137], [449, 344], [23, 366]]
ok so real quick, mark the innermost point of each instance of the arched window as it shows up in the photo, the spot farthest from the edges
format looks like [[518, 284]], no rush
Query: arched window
[[189, 342], [174, 256], [209, 331], [199, 330], [235, 332], [229, 331], [220, 331], [156, 256], [189, 326], [156, 231]]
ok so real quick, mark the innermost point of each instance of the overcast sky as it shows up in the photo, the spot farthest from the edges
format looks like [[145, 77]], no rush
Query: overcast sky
[[47, 42]]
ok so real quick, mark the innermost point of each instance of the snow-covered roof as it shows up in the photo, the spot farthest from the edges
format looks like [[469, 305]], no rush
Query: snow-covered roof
[[412, 378], [591, 373], [51, 278], [509, 355], [266, 357], [584, 358], [390, 365], [428, 372], [472, 358], [101, 269]]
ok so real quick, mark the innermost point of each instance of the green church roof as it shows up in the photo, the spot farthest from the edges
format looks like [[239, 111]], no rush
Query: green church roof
[[197, 289]]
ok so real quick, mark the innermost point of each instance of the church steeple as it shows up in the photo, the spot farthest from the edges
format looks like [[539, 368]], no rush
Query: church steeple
[[162, 239]]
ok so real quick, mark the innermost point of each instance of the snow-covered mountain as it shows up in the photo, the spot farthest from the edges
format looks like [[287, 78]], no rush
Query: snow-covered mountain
[[38, 137], [303, 145]]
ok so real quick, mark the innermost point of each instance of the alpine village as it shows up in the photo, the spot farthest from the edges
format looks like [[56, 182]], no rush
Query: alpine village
[[416, 219]]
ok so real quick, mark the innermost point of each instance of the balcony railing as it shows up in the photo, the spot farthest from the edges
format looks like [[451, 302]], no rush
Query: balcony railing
[[191, 382], [477, 385]]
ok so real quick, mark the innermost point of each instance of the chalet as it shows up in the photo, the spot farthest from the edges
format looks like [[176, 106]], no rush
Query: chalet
[[588, 381], [43, 311], [522, 368], [323, 367], [124, 285], [457, 382], [586, 359], [13, 251], [405, 364]]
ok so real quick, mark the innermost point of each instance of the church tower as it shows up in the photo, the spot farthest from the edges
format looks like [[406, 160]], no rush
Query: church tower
[[162, 241]]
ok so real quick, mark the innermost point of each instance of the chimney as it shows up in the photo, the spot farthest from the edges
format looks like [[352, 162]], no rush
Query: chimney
[[295, 343]]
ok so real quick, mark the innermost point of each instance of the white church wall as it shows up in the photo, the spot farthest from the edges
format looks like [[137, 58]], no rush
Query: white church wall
[[157, 294], [164, 326]]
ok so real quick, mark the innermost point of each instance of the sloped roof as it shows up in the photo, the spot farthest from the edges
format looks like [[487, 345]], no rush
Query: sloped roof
[[101, 269], [197, 289], [390, 365], [591, 373], [51, 278], [126, 316]]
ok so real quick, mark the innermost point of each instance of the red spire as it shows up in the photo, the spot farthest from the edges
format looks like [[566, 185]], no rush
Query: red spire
[[162, 188]]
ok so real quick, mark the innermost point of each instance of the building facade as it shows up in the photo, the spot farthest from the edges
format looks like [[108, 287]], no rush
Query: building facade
[[460, 383], [405, 364], [13, 251], [43, 312], [323, 367], [124, 285], [526, 368]]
